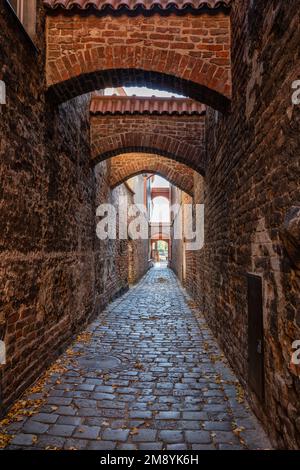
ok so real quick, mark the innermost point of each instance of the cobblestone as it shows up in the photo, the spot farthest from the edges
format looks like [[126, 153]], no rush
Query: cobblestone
[[167, 392]]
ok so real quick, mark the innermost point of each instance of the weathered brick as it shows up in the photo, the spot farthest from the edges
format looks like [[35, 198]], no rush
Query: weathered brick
[[131, 43]]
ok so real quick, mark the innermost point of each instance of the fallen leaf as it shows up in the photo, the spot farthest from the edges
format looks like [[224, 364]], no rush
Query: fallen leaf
[[134, 431], [138, 365]]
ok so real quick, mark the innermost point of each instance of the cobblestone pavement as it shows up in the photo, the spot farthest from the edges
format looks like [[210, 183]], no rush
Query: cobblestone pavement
[[163, 384]]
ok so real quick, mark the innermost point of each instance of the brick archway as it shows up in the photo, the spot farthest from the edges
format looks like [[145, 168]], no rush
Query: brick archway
[[185, 51], [161, 192], [125, 166], [172, 128]]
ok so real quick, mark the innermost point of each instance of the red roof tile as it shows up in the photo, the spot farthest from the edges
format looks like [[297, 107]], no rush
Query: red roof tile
[[131, 5], [145, 105]]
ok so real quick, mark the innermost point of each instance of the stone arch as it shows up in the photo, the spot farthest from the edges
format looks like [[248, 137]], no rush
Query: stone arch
[[126, 166], [160, 236], [180, 138], [191, 55]]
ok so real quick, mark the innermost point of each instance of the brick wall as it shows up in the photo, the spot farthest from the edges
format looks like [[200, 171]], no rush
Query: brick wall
[[251, 183], [176, 259], [181, 258], [178, 137], [138, 264], [193, 48], [127, 165], [111, 275], [194, 281], [55, 275]]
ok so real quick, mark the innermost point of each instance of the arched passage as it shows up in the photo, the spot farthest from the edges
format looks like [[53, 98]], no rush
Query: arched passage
[[163, 193], [171, 128], [125, 166], [187, 51]]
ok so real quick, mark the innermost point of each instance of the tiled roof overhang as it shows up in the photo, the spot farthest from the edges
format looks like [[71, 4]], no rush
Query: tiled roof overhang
[[145, 105], [131, 6]]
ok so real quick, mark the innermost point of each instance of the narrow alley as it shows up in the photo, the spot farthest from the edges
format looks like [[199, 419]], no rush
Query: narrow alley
[[150, 227], [147, 374]]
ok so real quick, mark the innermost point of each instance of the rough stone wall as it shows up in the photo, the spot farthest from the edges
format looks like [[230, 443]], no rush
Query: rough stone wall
[[178, 137], [195, 48], [251, 184], [55, 275]]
